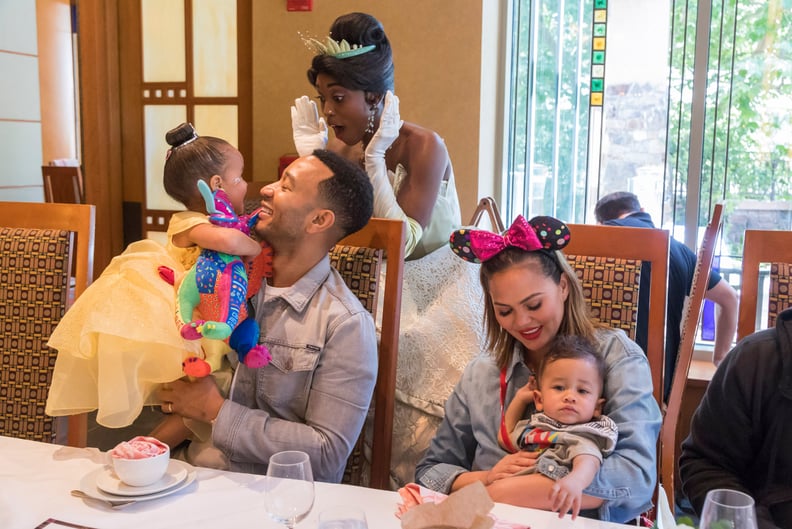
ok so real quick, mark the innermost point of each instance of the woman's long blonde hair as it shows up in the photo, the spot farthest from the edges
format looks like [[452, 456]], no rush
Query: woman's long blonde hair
[[577, 319]]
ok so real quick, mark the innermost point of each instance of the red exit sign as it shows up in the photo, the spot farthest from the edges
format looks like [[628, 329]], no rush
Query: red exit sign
[[299, 5]]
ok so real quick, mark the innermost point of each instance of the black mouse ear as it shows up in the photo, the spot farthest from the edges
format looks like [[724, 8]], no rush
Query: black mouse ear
[[461, 246], [551, 232]]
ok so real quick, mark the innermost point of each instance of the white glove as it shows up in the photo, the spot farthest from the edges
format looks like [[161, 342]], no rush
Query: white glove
[[308, 129], [385, 204]]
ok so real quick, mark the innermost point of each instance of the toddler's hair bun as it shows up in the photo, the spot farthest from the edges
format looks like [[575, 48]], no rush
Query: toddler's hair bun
[[184, 133]]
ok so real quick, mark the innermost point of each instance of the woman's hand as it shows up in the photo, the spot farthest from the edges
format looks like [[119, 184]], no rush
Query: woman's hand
[[308, 129], [388, 130], [511, 464]]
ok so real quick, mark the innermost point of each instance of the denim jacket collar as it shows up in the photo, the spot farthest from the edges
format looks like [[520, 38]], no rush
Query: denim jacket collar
[[300, 293]]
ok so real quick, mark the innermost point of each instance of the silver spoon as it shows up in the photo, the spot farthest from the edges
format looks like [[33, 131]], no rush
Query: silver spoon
[[113, 504]]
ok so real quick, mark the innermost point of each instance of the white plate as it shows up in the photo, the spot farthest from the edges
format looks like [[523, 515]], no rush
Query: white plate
[[88, 485], [107, 481]]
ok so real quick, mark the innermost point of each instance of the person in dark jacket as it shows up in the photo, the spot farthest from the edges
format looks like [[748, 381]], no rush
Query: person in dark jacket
[[741, 434], [623, 209]]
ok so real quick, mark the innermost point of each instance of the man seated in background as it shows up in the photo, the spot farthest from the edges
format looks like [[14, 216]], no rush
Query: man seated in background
[[623, 209]]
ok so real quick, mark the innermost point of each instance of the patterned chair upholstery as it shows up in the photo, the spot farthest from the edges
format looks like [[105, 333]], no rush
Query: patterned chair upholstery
[[34, 272], [780, 297], [359, 258], [360, 269], [610, 286], [761, 247]]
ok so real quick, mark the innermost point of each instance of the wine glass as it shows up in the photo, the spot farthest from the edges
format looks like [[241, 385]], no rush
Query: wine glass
[[289, 487], [342, 517], [728, 509]]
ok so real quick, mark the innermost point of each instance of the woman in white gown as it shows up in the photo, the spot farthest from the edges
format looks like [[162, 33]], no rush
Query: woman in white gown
[[413, 181]]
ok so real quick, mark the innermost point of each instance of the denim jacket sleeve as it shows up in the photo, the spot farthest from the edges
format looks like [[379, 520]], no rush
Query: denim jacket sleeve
[[464, 440], [628, 476]]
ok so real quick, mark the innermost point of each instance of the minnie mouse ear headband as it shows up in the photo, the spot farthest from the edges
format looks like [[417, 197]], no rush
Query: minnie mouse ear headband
[[540, 233]]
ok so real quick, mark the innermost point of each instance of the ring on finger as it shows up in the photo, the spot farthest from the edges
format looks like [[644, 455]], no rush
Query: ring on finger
[[170, 407]]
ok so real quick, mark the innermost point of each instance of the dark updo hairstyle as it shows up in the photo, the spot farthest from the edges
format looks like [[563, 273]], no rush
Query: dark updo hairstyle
[[348, 193], [371, 71], [191, 158]]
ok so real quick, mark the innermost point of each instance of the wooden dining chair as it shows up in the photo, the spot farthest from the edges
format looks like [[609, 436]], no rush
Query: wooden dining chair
[[690, 320], [359, 258], [611, 256], [63, 184], [37, 245], [763, 246], [487, 206]]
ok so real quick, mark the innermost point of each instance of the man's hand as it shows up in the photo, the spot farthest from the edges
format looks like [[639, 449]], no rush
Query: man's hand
[[199, 400]]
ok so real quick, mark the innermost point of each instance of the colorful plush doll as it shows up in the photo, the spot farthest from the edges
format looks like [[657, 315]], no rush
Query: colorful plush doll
[[217, 286]]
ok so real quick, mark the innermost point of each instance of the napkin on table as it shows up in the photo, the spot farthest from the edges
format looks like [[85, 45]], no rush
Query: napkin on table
[[467, 508]]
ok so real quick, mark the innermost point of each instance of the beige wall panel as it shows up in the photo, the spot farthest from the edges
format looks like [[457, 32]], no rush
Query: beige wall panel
[[158, 120], [18, 26], [56, 74], [217, 120], [20, 150], [163, 44], [215, 48], [19, 88], [437, 57]]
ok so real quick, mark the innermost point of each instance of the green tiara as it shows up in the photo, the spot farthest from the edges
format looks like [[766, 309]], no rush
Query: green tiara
[[339, 50]]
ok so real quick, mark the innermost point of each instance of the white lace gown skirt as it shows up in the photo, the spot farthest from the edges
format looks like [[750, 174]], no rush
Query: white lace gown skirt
[[441, 331]]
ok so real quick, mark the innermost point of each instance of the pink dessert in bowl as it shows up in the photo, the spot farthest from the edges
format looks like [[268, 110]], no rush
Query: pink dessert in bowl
[[140, 461]]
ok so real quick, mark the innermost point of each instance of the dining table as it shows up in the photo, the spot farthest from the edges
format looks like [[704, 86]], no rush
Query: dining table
[[37, 480]]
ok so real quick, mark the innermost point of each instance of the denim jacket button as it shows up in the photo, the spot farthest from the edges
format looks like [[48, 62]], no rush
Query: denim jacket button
[[289, 364]]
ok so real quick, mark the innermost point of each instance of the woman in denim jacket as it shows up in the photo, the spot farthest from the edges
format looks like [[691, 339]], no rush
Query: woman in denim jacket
[[532, 295]]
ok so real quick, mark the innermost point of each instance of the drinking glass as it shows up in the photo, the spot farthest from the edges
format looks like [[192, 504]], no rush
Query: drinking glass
[[289, 487], [342, 518], [728, 509]]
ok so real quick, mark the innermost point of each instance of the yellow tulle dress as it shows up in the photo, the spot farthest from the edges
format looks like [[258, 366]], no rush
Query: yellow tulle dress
[[119, 341]]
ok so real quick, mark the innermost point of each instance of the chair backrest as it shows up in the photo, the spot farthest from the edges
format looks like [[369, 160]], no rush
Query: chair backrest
[[488, 206], [63, 184], [761, 246], [358, 258], [636, 244], [611, 287], [690, 321], [25, 227]]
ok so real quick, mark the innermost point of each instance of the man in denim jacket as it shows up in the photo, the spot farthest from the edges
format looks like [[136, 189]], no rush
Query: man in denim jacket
[[314, 394]]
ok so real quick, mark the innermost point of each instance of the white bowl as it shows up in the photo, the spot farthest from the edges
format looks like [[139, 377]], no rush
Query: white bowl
[[141, 472]]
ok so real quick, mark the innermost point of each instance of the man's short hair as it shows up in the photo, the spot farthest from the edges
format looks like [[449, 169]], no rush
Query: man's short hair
[[614, 205], [348, 193]]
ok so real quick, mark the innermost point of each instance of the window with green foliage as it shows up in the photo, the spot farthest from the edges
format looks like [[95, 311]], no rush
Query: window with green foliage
[[563, 153], [683, 102]]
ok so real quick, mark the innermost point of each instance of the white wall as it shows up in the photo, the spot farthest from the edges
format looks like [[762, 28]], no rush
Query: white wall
[[20, 113]]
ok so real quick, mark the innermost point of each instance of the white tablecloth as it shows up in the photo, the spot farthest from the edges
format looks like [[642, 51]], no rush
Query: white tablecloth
[[36, 480]]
